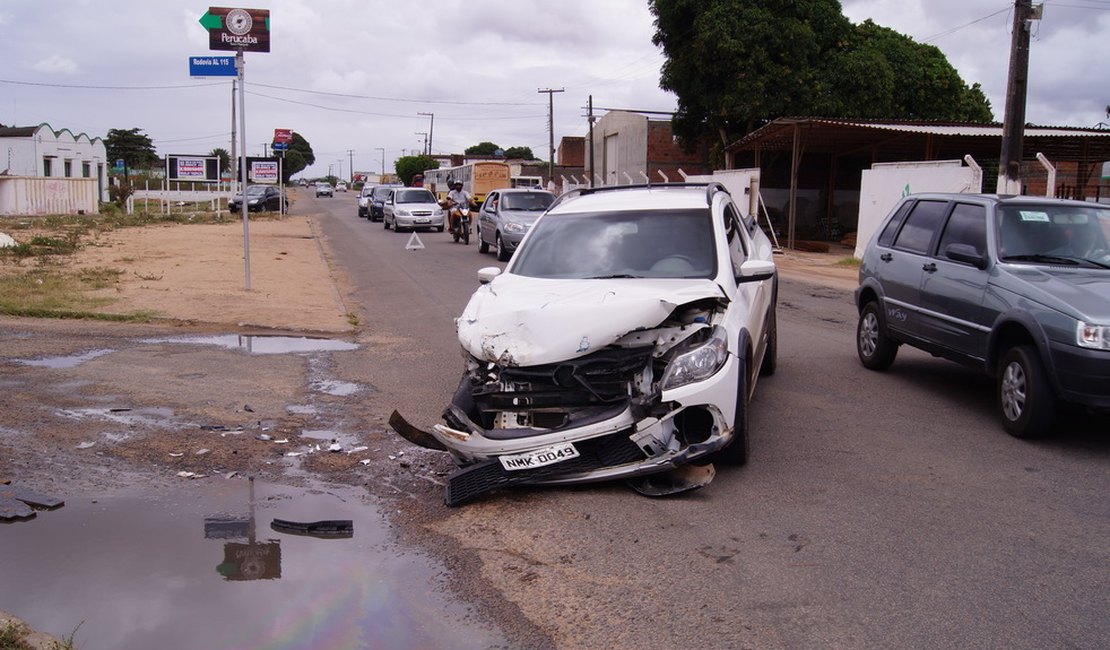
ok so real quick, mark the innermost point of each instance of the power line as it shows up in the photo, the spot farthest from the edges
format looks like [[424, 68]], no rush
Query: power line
[[86, 87]]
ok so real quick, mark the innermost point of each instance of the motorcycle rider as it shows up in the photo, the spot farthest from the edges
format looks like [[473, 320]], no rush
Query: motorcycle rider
[[455, 198]]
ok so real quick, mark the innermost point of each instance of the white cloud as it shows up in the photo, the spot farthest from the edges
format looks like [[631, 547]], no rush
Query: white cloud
[[55, 63]]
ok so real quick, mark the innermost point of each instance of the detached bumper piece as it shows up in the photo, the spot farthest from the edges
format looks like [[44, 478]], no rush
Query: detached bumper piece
[[326, 529], [467, 483]]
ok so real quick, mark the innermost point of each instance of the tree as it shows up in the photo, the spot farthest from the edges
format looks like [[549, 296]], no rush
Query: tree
[[409, 166], [224, 156], [522, 153], [131, 146], [736, 65], [482, 149], [297, 157]]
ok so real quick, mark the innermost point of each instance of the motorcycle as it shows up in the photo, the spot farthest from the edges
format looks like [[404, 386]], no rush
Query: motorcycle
[[460, 229]]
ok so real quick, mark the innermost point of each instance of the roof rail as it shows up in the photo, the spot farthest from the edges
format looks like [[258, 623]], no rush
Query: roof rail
[[711, 188]]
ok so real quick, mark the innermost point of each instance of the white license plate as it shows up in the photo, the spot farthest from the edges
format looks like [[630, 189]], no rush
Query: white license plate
[[422, 220], [540, 457]]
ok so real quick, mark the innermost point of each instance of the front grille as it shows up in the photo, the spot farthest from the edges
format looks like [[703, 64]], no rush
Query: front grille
[[466, 483]]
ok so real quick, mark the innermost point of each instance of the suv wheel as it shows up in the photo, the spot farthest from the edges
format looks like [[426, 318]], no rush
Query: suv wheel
[[1025, 399], [875, 349], [737, 451]]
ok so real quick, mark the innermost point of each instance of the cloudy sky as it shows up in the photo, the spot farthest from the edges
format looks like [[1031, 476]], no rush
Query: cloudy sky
[[357, 78]]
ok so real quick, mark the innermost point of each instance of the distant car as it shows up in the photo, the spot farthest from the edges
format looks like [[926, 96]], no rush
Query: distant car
[[1017, 287], [364, 201], [377, 201], [324, 189], [506, 216], [259, 198], [623, 340], [409, 208], [340, 187]]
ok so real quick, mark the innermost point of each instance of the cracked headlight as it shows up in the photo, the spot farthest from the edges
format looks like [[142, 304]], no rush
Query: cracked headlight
[[698, 362], [1092, 336]]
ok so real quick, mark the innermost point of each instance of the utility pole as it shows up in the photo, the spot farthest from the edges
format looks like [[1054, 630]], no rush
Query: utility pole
[[550, 129], [234, 162], [1013, 123], [382, 149], [590, 118], [431, 129], [351, 166], [425, 149]]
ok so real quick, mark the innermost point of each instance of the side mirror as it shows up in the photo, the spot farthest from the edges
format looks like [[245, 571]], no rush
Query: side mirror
[[486, 274], [967, 254], [756, 271]]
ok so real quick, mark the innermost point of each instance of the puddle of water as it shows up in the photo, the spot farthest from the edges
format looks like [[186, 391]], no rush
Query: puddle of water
[[153, 417], [301, 409], [61, 363], [336, 387], [346, 440], [182, 569], [263, 344]]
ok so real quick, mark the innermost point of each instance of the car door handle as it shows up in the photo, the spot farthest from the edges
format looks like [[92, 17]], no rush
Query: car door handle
[[929, 268], [886, 257]]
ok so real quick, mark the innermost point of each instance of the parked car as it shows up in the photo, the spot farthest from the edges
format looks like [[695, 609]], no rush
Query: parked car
[[506, 216], [1001, 284], [324, 189], [364, 201], [259, 198], [340, 187], [377, 201], [622, 341], [409, 208]]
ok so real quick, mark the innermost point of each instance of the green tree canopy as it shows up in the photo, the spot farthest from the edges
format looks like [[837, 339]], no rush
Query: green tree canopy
[[133, 147], [298, 157], [409, 166], [482, 149], [735, 65], [523, 153], [224, 156]]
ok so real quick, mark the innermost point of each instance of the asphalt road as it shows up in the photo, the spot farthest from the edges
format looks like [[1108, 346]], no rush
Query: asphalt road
[[879, 510]]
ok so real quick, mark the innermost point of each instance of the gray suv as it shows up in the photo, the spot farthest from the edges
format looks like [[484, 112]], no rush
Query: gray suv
[[1016, 286]]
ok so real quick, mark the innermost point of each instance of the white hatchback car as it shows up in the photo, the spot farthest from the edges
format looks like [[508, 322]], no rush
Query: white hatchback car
[[623, 340]]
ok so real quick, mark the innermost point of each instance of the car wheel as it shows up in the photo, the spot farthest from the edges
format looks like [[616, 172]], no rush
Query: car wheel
[[770, 355], [483, 245], [385, 223], [502, 254], [875, 349], [1025, 399], [737, 451]]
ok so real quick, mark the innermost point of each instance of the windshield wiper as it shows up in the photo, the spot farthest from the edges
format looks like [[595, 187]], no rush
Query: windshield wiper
[[615, 276], [1047, 259]]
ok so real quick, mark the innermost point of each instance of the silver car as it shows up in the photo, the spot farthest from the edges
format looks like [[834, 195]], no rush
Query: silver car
[[506, 216], [409, 208]]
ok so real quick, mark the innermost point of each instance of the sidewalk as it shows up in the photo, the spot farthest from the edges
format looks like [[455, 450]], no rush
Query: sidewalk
[[826, 269]]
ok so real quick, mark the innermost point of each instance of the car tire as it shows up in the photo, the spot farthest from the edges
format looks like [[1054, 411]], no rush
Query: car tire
[[385, 223], [483, 245], [738, 450], [502, 254], [875, 349], [1026, 402], [771, 354]]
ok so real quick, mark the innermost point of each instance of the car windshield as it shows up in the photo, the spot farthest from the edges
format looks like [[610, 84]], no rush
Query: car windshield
[[530, 201], [415, 196], [1051, 233], [633, 244], [256, 190], [381, 192]]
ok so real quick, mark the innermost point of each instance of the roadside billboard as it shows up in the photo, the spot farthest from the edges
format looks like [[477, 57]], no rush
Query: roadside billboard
[[200, 169]]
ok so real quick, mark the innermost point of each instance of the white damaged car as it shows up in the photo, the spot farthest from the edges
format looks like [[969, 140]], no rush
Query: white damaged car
[[622, 341]]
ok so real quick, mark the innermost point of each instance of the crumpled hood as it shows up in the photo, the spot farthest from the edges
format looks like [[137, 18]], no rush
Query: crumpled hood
[[1079, 292], [521, 321]]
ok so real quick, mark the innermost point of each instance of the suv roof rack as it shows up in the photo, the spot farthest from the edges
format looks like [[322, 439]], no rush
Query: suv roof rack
[[711, 188]]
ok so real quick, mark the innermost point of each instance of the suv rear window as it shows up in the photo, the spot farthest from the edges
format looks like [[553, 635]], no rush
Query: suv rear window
[[922, 223]]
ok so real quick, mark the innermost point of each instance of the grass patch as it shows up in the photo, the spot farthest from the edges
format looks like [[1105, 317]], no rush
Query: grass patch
[[851, 261], [51, 293], [13, 636]]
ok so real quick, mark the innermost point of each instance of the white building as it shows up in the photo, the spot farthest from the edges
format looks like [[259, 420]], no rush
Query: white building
[[43, 171]]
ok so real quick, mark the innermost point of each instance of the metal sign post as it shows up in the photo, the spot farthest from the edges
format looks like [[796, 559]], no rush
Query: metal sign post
[[239, 30]]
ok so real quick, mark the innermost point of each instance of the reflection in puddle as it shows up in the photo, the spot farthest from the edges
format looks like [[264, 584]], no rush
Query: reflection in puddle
[[154, 416], [59, 363], [336, 387], [204, 568], [263, 344]]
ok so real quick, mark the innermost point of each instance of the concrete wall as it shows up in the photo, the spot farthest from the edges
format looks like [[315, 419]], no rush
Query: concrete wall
[[55, 154], [24, 195]]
